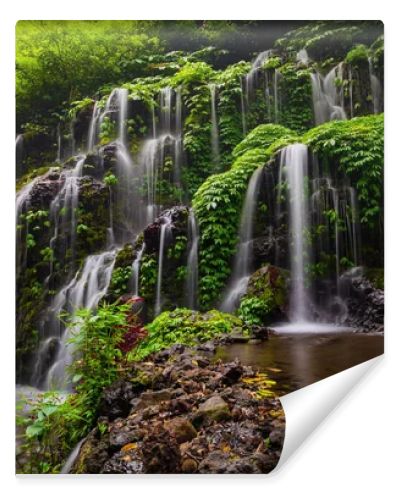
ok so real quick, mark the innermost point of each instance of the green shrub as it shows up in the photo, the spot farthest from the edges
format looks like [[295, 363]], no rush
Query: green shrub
[[184, 326]]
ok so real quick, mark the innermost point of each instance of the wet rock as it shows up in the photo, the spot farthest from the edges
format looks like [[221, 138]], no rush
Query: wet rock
[[181, 429], [177, 215], [151, 398], [207, 347], [115, 401], [161, 454], [364, 302], [216, 462], [232, 373], [214, 408], [92, 455], [260, 332]]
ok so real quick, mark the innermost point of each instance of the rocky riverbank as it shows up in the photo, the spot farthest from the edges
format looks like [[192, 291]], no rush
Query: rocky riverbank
[[178, 412]]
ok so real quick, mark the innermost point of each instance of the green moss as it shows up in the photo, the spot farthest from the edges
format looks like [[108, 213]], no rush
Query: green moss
[[28, 177], [358, 54], [376, 276], [266, 296], [184, 326]]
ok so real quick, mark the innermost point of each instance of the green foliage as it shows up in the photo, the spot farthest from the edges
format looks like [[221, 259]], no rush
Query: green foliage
[[110, 179], [295, 87], [52, 59], [217, 205], [184, 326], [57, 423], [356, 146], [356, 55], [120, 280], [323, 39], [148, 276], [261, 136], [253, 310]]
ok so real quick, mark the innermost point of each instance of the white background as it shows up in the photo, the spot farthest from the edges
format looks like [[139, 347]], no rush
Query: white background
[[355, 452]]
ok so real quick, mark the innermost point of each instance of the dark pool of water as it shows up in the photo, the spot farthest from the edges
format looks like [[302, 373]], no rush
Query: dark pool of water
[[297, 360]]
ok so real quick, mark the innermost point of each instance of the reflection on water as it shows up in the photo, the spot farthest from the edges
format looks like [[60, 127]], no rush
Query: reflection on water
[[295, 361]]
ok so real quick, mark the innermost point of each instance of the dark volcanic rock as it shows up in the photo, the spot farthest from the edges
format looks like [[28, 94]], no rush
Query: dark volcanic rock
[[115, 401], [365, 303], [198, 417]]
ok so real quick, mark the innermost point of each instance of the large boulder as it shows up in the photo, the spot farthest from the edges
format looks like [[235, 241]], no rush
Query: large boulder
[[266, 296]]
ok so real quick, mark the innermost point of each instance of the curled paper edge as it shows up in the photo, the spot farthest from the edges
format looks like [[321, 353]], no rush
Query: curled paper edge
[[305, 409]]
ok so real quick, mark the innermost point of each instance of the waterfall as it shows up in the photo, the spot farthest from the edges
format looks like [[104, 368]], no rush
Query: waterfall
[[252, 75], [302, 57], [72, 140], [166, 109], [178, 137], [58, 157], [63, 211], [122, 100], [214, 126], [165, 229], [66, 468], [136, 269], [93, 127], [243, 108], [21, 206], [294, 160], [242, 263], [376, 88], [351, 91], [276, 95], [19, 154], [192, 279], [85, 290], [328, 102]]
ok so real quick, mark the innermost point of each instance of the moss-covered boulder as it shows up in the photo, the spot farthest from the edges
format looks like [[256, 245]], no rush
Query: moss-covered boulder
[[266, 296]]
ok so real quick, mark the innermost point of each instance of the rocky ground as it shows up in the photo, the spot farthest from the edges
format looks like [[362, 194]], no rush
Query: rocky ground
[[178, 412]]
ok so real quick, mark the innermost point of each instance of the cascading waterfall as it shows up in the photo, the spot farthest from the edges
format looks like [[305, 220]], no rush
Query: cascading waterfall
[[214, 126], [136, 269], [294, 160], [192, 280], [242, 264], [252, 76], [178, 137], [243, 107], [85, 290], [164, 235], [310, 198], [19, 153], [93, 127], [328, 101], [277, 76], [302, 57], [63, 212], [376, 88], [168, 142]]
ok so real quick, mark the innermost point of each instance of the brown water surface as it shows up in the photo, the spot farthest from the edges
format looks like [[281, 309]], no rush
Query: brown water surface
[[297, 360]]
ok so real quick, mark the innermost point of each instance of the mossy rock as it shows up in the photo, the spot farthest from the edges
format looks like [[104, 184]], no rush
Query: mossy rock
[[266, 296]]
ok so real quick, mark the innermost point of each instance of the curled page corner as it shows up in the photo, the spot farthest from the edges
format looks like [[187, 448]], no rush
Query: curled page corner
[[306, 408]]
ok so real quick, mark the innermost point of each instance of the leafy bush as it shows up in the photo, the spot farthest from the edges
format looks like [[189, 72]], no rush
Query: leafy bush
[[252, 310], [184, 326], [56, 424]]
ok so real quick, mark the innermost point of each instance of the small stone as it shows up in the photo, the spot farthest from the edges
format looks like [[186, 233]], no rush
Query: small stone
[[189, 466], [181, 429], [214, 408]]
